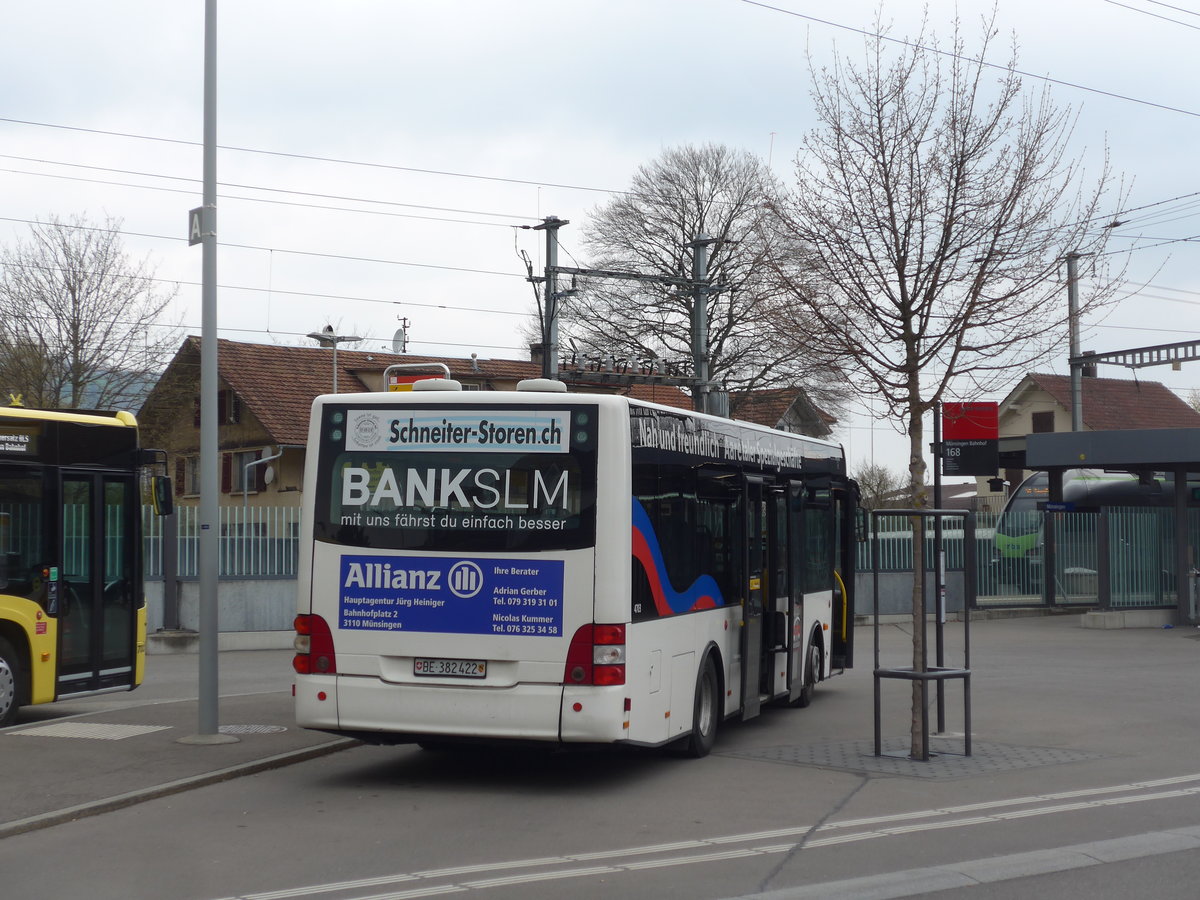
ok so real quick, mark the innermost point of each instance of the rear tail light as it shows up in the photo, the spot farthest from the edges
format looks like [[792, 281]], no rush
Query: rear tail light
[[314, 647], [596, 655]]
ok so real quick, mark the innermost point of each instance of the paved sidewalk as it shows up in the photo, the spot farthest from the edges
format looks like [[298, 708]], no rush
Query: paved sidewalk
[[1121, 705], [80, 757]]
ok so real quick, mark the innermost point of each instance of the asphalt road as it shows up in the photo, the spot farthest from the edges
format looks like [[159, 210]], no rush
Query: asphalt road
[[1084, 783]]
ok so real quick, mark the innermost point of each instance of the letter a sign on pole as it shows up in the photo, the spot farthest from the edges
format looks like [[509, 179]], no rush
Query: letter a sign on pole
[[195, 226]]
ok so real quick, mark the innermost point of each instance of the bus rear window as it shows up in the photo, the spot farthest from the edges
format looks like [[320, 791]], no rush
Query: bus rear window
[[460, 497]]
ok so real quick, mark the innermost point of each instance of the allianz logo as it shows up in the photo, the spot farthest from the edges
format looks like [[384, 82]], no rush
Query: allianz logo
[[464, 579]]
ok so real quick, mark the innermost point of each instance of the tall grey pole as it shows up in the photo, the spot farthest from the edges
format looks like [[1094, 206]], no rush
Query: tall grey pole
[[550, 225], [700, 320], [939, 568], [1073, 341], [209, 731]]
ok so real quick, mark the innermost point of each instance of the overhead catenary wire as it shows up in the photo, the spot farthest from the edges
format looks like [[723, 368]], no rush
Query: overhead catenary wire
[[1107, 217], [311, 295], [1154, 15], [312, 158], [251, 187], [1046, 78], [312, 253]]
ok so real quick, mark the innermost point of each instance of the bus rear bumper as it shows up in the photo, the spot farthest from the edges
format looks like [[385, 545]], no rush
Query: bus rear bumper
[[526, 712]]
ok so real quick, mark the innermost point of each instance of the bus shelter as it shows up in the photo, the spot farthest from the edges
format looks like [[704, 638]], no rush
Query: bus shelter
[[1142, 453]]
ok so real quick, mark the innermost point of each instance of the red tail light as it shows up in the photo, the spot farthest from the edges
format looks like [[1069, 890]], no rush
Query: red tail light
[[596, 655], [314, 647]]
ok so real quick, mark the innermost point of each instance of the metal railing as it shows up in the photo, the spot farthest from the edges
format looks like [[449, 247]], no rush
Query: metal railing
[[896, 551], [1139, 557], [254, 542]]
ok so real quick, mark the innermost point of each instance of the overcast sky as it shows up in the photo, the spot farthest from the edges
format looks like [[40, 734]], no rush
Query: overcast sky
[[379, 157]]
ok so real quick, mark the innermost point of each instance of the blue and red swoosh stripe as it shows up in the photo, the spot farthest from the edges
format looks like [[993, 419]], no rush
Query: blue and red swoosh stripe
[[703, 593]]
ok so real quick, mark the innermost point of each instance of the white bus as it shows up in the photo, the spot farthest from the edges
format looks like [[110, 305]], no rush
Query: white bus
[[539, 566]]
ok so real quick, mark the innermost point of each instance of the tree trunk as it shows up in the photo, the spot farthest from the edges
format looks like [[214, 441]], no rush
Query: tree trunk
[[916, 470]]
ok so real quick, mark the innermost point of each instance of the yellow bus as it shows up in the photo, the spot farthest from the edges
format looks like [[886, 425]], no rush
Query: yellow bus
[[72, 609]]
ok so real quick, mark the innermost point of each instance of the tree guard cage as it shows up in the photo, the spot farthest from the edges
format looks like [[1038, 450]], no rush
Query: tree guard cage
[[923, 673]]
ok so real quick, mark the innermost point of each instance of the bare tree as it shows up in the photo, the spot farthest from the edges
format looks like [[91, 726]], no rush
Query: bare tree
[[878, 486], [933, 208], [75, 318], [685, 192]]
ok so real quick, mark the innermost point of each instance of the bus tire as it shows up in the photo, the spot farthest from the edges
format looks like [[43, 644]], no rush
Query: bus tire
[[706, 710], [12, 683], [812, 674]]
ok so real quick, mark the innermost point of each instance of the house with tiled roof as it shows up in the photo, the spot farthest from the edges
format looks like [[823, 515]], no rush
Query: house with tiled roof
[[1041, 403], [265, 393], [787, 409]]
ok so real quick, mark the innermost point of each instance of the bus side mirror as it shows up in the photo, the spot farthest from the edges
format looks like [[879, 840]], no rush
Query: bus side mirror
[[162, 496]]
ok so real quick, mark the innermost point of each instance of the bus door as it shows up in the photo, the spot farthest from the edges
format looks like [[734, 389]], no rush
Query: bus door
[[97, 582], [765, 509], [846, 535], [777, 619], [797, 638]]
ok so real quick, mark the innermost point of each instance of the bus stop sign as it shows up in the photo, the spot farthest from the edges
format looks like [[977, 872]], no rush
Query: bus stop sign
[[970, 438]]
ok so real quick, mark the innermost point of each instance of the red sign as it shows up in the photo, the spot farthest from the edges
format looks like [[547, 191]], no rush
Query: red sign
[[970, 439], [405, 382], [970, 421]]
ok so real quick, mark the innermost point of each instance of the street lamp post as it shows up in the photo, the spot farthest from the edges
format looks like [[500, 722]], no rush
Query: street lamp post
[[327, 337]]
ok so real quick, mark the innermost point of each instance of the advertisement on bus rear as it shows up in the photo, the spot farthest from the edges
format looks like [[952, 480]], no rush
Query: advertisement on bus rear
[[516, 597], [525, 431], [466, 479]]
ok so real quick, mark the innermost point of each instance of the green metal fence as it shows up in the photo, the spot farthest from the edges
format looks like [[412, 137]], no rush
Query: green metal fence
[[1138, 552], [896, 548], [253, 542]]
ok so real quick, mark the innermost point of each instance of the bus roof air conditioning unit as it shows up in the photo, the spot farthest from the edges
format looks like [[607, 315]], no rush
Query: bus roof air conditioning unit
[[437, 384], [545, 385]]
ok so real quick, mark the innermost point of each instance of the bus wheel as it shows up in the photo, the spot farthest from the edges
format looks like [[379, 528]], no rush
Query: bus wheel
[[10, 683], [812, 672], [705, 711]]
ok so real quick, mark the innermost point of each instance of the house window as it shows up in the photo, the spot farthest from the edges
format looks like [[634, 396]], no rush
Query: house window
[[239, 479], [1042, 422], [229, 409], [191, 475]]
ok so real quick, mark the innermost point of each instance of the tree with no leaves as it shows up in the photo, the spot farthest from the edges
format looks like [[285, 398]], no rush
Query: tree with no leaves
[[878, 486], [934, 205], [75, 318], [688, 191]]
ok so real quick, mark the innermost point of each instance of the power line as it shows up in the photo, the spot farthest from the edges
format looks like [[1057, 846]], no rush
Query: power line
[[413, 341], [1176, 8], [302, 156], [1153, 15], [312, 253], [1164, 243], [249, 187], [368, 212], [1143, 328], [1107, 217], [980, 62], [310, 294]]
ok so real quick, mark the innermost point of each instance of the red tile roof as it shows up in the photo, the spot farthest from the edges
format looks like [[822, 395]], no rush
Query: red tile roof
[[1111, 404], [277, 383], [769, 406]]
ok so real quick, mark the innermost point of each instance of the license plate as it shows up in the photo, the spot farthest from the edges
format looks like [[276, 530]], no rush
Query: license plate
[[450, 668]]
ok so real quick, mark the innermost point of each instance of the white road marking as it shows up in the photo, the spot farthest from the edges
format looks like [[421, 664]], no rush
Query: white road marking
[[565, 866]]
